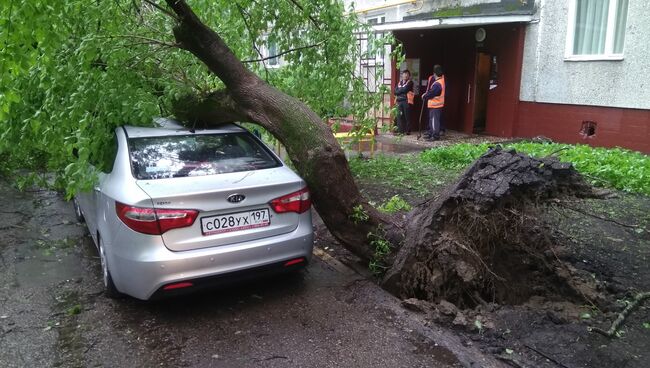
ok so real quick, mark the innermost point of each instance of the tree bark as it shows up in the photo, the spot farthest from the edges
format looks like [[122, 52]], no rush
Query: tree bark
[[309, 142], [481, 237]]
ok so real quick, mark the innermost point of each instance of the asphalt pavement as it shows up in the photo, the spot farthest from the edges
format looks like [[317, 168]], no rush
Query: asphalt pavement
[[53, 312]]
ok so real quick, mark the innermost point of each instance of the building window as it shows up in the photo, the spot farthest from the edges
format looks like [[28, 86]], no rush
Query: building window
[[371, 50], [380, 19], [272, 51], [596, 29]]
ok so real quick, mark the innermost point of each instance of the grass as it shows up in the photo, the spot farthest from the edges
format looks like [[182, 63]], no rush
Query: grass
[[615, 168], [405, 172], [611, 167], [382, 248], [395, 204]]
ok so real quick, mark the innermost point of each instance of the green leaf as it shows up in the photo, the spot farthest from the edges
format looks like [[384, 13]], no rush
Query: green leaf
[[646, 325]]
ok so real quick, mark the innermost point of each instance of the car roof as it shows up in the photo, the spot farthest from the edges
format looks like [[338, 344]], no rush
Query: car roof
[[170, 127]]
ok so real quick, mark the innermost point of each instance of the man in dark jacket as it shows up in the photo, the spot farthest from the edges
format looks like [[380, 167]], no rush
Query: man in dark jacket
[[404, 86]]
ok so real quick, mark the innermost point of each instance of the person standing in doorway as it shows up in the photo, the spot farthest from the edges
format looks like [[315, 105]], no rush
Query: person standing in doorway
[[435, 99], [404, 97]]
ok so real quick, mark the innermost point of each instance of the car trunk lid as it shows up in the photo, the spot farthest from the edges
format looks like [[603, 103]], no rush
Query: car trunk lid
[[209, 195]]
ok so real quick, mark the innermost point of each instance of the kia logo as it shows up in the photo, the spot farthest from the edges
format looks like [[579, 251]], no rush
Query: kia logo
[[236, 198]]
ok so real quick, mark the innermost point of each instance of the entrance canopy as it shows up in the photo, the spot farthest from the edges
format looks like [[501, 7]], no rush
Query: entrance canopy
[[454, 22]]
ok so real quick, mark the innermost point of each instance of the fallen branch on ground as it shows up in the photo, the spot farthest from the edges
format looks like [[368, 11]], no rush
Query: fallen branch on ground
[[510, 361], [638, 299], [546, 356], [596, 216]]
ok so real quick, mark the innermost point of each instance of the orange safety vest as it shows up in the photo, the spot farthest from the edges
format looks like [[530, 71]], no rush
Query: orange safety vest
[[437, 102]]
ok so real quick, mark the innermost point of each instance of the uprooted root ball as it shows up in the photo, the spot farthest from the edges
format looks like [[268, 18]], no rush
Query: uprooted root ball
[[480, 241]]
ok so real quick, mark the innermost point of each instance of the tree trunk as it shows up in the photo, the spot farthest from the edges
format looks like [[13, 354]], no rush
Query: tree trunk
[[308, 140]]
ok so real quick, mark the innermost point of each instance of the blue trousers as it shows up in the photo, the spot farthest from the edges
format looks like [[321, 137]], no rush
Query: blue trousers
[[434, 123]]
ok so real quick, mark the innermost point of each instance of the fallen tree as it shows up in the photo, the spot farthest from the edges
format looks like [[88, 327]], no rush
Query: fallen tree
[[479, 240], [309, 142]]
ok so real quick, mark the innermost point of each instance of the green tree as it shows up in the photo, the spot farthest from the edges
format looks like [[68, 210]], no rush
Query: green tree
[[72, 71]]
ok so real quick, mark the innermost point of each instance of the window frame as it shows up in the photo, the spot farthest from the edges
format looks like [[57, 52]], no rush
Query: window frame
[[609, 37], [275, 61], [378, 18]]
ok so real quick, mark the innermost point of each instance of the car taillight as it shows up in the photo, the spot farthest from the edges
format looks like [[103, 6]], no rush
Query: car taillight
[[154, 221], [297, 202]]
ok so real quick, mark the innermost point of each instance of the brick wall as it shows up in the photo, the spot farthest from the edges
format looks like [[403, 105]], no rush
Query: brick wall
[[628, 128]]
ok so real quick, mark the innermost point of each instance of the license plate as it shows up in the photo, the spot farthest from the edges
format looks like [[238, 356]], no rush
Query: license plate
[[235, 222]]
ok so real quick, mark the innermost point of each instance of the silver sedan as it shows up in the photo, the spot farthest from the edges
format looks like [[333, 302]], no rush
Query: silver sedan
[[183, 210]]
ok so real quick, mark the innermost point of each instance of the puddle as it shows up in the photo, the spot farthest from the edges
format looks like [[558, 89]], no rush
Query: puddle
[[368, 149], [48, 262], [37, 268], [397, 145], [12, 220]]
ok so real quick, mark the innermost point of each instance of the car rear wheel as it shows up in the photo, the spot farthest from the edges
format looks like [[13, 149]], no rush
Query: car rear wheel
[[77, 211], [109, 287]]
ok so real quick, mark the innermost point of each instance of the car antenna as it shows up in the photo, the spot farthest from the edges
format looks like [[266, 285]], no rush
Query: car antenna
[[193, 130]]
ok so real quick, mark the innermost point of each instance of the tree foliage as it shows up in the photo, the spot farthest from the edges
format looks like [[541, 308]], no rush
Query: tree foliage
[[72, 71]]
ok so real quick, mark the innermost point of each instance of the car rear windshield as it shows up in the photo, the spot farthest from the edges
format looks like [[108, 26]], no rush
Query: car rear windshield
[[197, 155]]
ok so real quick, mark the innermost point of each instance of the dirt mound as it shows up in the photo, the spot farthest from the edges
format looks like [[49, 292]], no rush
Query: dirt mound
[[481, 241]]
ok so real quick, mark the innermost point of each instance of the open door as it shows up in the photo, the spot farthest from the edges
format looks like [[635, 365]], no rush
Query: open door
[[476, 94], [482, 85]]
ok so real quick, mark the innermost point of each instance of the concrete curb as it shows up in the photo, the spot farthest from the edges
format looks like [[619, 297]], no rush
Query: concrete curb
[[333, 262]]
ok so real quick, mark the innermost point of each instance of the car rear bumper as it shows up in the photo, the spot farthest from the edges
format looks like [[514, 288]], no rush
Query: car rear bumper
[[143, 273], [231, 278]]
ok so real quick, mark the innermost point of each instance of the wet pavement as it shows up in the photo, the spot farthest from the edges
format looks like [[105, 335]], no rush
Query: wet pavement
[[393, 144], [53, 312]]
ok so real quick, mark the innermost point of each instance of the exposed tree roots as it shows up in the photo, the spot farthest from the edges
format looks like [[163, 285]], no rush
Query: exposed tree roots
[[638, 300], [481, 240]]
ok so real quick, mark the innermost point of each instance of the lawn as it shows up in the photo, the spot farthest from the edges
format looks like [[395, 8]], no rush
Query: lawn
[[617, 168]]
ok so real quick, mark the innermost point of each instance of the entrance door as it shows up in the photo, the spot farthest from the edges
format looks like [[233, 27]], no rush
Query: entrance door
[[482, 85]]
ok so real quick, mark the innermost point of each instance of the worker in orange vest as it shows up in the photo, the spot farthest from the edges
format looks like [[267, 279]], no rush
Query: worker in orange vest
[[435, 99]]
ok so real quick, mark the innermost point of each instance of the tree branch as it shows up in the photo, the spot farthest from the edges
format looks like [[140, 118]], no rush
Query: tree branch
[[211, 49], [146, 40], [216, 108], [142, 56], [160, 8], [285, 52], [596, 216], [312, 19], [638, 299], [250, 34], [186, 80]]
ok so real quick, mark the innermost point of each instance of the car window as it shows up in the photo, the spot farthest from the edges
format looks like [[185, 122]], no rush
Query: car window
[[197, 155]]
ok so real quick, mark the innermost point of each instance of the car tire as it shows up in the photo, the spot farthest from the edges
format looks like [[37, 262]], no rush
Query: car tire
[[109, 287], [77, 211]]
